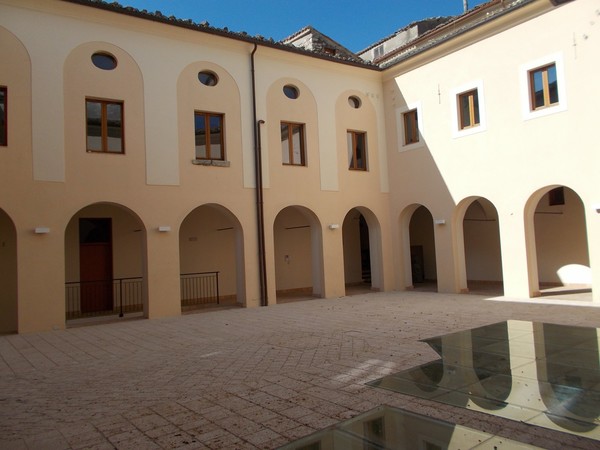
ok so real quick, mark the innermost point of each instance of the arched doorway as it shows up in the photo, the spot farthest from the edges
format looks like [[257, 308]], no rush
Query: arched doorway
[[8, 275], [105, 262], [298, 254], [362, 251], [560, 237], [211, 258], [482, 254], [422, 250]]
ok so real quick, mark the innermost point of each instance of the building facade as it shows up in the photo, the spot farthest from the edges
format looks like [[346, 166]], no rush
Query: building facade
[[148, 150]]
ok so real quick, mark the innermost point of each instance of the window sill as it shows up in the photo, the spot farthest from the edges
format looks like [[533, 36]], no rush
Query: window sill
[[210, 162]]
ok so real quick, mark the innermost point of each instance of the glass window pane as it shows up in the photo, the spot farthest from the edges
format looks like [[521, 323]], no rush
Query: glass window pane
[[552, 84], [360, 151], [285, 144], [465, 116], [94, 125], [475, 97], [538, 88], [297, 144], [200, 136], [2, 116], [114, 127], [216, 137], [350, 144]]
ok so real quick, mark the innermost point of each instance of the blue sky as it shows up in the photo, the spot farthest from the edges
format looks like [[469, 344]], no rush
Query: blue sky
[[355, 24]]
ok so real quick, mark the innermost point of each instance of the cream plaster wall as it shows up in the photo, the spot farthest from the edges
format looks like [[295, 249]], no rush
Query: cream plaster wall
[[514, 155]]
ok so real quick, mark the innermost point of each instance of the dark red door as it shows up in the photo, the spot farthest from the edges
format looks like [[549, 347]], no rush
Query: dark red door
[[95, 265]]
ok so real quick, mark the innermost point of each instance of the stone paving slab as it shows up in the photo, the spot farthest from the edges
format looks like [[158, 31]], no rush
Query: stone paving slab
[[244, 378]]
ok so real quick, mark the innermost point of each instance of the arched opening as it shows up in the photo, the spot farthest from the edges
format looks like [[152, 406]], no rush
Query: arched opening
[[211, 259], [105, 263], [298, 254], [8, 275], [362, 251], [483, 258], [422, 250], [560, 240]]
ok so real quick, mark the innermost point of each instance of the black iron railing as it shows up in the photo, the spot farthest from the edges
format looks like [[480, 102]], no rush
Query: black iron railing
[[104, 297], [199, 289]]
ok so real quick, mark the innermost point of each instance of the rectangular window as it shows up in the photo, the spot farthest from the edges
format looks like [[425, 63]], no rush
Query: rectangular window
[[411, 127], [3, 117], [208, 132], [357, 150], [468, 109], [292, 144], [543, 87], [104, 120]]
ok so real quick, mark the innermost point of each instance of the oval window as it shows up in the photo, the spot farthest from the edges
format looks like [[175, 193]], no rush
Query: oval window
[[104, 61], [291, 91], [208, 78], [354, 101]]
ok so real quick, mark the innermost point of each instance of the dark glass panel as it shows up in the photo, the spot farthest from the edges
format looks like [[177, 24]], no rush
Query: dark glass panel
[[285, 144], [297, 157], [291, 91], [104, 61], [465, 116], [3, 140], [208, 78], [114, 127], [94, 125], [552, 84], [200, 135], [216, 137]]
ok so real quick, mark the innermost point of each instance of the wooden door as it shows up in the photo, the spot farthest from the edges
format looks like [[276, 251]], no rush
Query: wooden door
[[95, 265]]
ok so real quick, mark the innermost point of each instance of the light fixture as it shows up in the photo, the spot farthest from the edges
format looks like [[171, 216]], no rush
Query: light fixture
[[164, 228], [439, 221], [41, 230], [334, 226], [596, 207]]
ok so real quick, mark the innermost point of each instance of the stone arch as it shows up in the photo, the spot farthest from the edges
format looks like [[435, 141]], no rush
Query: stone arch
[[298, 246], [477, 245], [105, 262], [363, 263], [8, 275], [211, 240], [418, 247], [556, 237]]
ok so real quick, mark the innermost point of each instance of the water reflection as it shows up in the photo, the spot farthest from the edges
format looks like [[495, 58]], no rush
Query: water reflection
[[543, 374], [392, 428]]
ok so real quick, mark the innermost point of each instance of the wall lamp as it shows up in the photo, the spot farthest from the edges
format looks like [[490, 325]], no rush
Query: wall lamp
[[333, 226], [164, 228], [439, 221], [41, 230]]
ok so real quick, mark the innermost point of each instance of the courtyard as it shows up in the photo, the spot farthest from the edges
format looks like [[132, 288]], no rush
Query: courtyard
[[255, 378]]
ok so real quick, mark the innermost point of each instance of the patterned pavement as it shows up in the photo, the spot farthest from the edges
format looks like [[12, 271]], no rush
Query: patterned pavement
[[245, 378]]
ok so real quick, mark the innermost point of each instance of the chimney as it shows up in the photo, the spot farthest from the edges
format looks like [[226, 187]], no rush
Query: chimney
[[466, 5]]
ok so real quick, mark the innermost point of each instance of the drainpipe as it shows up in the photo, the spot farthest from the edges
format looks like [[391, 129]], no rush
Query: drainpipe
[[260, 218]]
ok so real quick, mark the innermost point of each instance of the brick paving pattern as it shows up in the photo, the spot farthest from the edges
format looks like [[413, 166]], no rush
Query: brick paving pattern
[[244, 378]]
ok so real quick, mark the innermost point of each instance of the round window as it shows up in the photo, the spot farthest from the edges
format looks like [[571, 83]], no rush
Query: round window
[[291, 91], [208, 78], [354, 101], [104, 61]]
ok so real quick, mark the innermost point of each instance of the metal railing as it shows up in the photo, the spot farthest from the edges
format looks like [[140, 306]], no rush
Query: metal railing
[[104, 297], [199, 289]]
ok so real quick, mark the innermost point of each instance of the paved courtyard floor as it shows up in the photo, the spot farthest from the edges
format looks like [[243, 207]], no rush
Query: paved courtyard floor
[[246, 378]]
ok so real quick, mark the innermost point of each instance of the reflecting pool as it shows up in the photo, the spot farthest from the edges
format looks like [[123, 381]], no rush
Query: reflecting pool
[[542, 374]]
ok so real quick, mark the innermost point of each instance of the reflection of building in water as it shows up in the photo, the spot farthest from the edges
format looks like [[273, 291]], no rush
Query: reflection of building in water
[[392, 428], [543, 374]]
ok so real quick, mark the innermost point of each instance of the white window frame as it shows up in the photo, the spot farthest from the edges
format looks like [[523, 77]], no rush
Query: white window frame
[[402, 147], [524, 80], [457, 132]]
